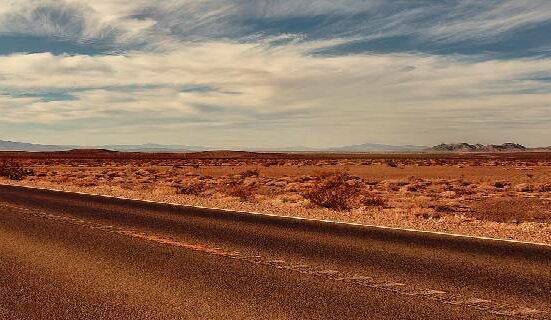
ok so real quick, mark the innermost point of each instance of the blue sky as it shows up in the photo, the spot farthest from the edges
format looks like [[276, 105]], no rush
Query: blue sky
[[236, 73]]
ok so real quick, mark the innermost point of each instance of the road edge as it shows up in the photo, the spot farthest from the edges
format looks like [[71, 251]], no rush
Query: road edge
[[324, 222]]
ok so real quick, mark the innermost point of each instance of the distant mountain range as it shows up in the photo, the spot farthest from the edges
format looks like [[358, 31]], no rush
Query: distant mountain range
[[372, 147], [366, 147], [150, 147], [21, 146], [153, 147], [465, 147]]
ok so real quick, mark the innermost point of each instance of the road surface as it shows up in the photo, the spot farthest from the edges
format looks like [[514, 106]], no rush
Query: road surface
[[74, 256]]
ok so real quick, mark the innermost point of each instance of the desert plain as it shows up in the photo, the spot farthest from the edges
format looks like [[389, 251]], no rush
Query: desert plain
[[497, 195]]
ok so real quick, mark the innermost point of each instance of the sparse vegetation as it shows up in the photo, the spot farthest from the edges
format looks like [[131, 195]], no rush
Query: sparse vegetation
[[334, 192], [444, 208], [524, 187], [392, 164], [238, 190], [14, 171], [373, 201], [195, 187], [500, 184], [250, 173], [444, 194]]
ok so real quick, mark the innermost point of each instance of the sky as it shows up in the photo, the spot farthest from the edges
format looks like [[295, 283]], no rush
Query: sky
[[275, 73]]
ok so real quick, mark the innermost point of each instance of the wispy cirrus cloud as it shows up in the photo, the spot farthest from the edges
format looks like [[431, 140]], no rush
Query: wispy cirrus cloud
[[428, 24]]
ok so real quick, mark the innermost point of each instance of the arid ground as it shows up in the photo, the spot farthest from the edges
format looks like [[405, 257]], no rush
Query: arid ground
[[504, 195]]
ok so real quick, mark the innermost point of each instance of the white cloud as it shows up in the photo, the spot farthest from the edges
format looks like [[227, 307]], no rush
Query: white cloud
[[483, 20], [262, 89], [275, 87], [74, 21]]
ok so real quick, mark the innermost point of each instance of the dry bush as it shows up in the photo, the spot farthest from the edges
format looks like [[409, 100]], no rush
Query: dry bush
[[334, 192], [14, 171], [191, 188], [524, 187], [324, 174], [500, 184], [269, 163], [428, 215], [465, 183], [250, 173], [444, 208], [373, 201], [240, 191], [392, 164]]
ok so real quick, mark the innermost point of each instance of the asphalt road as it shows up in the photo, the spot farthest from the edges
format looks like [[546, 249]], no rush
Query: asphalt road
[[72, 256]]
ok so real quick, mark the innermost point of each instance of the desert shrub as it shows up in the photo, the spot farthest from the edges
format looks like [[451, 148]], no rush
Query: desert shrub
[[323, 174], [544, 188], [333, 192], [392, 164], [240, 191], [191, 188], [500, 184], [524, 187], [428, 215], [250, 173], [267, 164], [444, 208], [464, 191], [373, 201], [465, 183], [14, 171]]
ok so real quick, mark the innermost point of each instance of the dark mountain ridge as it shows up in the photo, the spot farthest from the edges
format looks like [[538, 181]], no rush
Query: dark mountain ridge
[[466, 147]]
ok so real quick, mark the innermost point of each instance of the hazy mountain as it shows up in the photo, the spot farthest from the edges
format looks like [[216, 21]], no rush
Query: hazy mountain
[[366, 147], [282, 149], [153, 147], [372, 147], [21, 146], [466, 147]]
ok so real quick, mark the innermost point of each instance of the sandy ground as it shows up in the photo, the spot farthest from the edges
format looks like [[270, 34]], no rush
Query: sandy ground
[[506, 198]]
